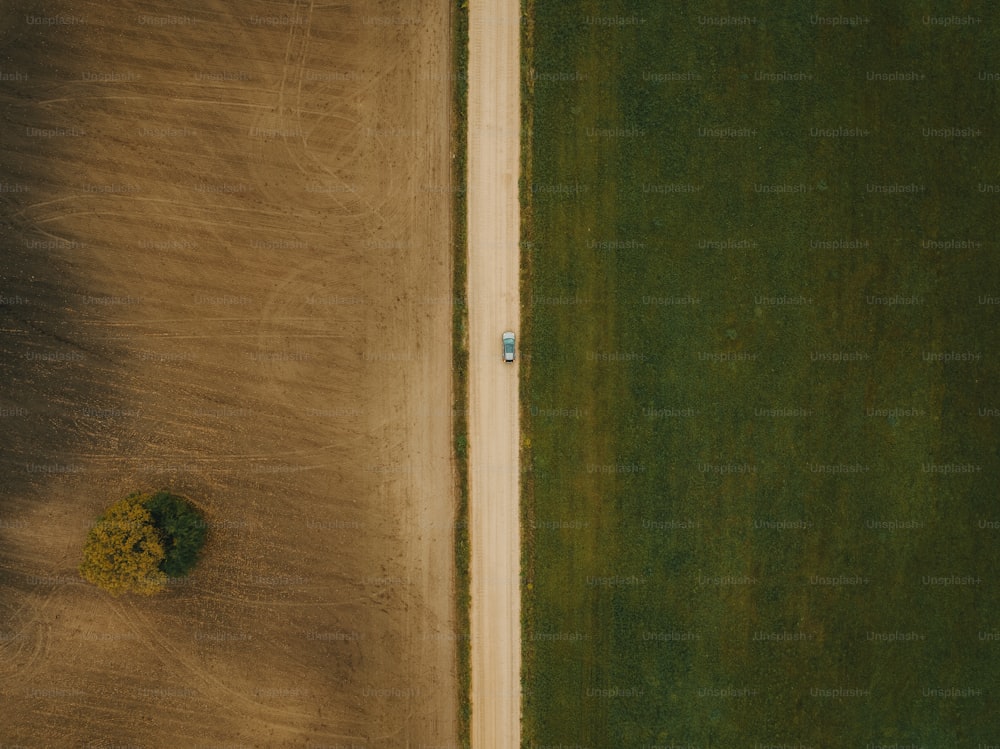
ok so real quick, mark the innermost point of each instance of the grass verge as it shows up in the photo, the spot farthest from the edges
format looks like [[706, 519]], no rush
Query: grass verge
[[460, 353], [527, 513]]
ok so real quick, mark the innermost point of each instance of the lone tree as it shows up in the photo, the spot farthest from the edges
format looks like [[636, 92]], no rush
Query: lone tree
[[141, 541]]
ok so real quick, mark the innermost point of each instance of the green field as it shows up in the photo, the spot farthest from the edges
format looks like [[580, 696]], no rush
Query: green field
[[761, 399]]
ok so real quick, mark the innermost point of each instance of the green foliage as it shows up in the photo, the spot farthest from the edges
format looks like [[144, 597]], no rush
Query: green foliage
[[141, 541], [181, 530]]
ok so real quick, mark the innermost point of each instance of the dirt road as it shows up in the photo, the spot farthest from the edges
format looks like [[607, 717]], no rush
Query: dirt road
[[494, 143]]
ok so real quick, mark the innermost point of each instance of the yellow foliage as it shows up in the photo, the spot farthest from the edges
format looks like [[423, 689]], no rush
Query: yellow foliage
[[123, 552]]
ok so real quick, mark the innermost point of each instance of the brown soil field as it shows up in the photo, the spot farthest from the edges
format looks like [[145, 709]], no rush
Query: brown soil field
[[225, 251]]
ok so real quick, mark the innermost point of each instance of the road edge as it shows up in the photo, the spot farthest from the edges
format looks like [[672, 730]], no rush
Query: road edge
[[460, 364], [526, 244]]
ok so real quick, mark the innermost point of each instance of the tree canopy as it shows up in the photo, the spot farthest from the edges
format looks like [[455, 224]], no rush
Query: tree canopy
[[181, 530], [142, 541]]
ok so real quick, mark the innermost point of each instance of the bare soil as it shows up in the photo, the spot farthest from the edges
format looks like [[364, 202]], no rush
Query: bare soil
[[226, 249]]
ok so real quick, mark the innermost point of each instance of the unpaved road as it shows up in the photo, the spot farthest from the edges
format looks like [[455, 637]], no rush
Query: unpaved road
[[494, 143]]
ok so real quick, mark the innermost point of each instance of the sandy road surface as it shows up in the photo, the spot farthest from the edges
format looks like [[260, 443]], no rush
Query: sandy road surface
[[494, 123]]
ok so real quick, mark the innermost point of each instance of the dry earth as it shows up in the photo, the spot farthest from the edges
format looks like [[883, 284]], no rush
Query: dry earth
[[226, 243]]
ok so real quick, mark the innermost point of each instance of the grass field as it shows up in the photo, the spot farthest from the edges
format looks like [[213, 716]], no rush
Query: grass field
[[762, 410]]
